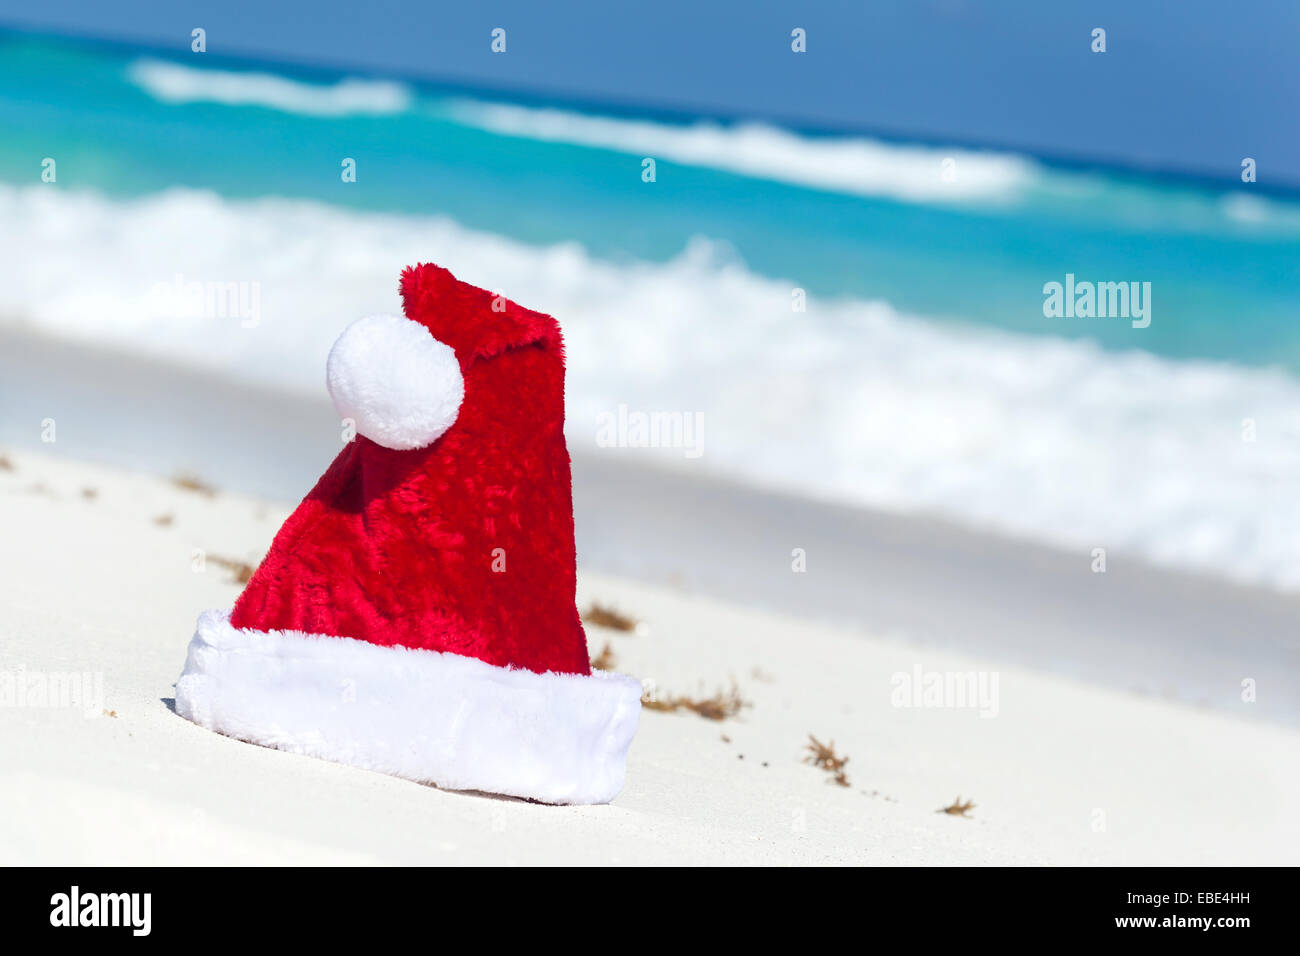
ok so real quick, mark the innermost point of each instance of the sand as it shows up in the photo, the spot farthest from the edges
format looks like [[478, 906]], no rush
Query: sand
[[916, 579], [99, 576]]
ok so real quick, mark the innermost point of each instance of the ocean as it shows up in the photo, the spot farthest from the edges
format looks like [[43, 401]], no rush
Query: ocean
[[853, 319]]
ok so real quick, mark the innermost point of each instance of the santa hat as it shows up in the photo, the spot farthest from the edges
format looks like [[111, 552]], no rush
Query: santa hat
[[415, 614]]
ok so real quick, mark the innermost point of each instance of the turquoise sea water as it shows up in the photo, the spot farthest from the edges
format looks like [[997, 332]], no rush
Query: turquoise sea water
[[923, 375], [1223, 263]]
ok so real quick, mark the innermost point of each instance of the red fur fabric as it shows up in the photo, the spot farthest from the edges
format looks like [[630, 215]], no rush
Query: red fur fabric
[[398, 547]]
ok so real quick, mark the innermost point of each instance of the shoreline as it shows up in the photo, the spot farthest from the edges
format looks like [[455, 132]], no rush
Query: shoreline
[[916, 580]]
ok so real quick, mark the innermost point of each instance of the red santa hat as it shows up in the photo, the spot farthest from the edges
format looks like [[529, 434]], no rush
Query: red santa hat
[[415, 615]]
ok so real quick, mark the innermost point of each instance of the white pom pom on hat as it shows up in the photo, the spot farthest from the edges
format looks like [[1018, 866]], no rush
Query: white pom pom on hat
[[401, 386]]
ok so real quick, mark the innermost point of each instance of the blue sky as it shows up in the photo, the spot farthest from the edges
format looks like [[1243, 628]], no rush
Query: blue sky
[[1193, 85]]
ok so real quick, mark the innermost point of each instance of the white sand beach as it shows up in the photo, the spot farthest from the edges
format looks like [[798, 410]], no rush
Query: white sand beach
[[918, 481], [98, 577]]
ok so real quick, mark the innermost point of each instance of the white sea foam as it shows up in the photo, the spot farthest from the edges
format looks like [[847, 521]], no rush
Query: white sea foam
[[175, 83], [853, 165], [1261, 213], [1044, 438]]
